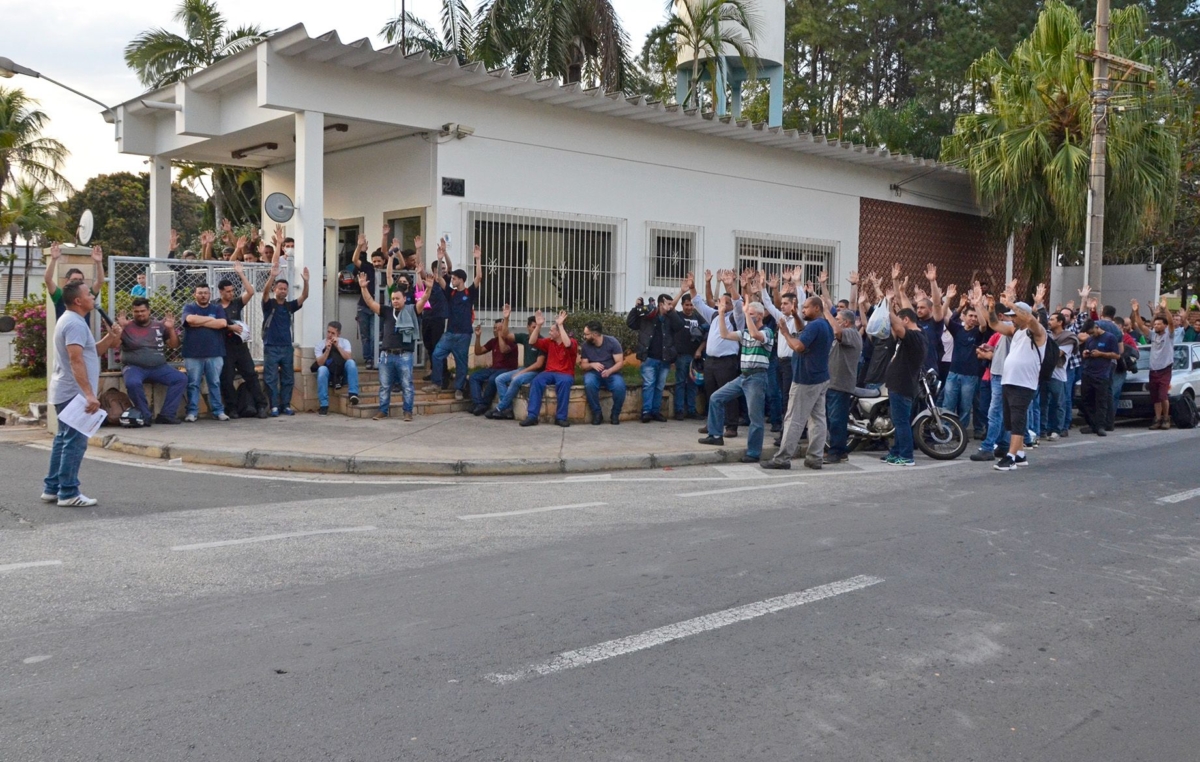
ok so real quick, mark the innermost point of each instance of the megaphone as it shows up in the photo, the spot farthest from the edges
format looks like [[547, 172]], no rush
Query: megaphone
[[279, 207]]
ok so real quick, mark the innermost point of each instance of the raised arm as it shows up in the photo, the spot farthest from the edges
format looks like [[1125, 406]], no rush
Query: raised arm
[[52, 267], [723, 325], [369, 298], [900, 288], [479, 348], [563, 338], [360, 249], [1136, 316], [97, 270], [247, 285], [935, 292], [503, 337], [477, 256]]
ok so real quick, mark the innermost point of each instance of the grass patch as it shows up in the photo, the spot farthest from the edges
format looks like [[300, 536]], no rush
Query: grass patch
[[17, 390]]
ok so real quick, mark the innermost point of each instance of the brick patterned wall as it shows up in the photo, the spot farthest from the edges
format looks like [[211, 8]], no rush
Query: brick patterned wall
[[958, 244]]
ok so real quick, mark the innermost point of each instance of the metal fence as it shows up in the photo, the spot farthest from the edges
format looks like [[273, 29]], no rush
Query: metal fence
[[384, 298], [169, 285]]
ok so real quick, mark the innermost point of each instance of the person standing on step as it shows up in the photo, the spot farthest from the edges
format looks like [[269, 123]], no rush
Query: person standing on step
[[143, 358], [433, 319], [398, 331], [364, 317], [460, 300], [602, 359], [810, 382], [335, 362], [503, 348], [278, 355], [238, 361], [508, 384], [561, 352], [656, 326], [754, 344]]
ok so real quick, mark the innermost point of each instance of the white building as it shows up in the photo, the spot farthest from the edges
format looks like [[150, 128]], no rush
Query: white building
[[578, 198]]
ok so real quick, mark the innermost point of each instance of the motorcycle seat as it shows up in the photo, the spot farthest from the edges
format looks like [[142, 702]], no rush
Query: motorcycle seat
[[867, 394]]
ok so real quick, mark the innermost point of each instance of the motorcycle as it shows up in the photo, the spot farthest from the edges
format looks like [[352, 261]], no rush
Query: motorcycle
[[938, 434]]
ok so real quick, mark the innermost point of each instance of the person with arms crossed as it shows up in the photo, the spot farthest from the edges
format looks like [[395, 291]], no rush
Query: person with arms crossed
[[204, 327]]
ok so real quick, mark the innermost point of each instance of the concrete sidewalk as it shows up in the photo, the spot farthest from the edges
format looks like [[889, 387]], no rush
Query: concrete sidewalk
[[439, 445]]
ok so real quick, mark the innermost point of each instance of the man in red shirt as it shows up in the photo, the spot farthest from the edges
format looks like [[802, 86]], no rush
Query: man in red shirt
[[503, 347], [561, 351]]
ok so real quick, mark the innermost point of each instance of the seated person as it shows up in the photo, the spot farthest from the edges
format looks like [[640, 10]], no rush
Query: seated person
[[560, 350], [508, 384], [143, 359], [503, 346], [602, 361], [335, 361]]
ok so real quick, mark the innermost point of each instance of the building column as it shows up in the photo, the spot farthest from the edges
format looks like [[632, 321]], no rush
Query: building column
[[735, 87], [160, 206], [775, 113], [309, 227], [719, 87], [683, 81]]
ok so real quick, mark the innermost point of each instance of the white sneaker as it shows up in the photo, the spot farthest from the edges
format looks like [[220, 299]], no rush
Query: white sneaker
[[49, 497], [79, 501], [221, 417], [1053, 436], [190, 419]]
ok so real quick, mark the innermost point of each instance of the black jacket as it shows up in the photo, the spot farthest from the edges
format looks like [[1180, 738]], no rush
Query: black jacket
[[645, 321]]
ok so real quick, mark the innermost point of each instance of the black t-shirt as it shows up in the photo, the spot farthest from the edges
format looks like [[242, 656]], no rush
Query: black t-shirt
[[369, 269], [233, 312], [389, 336], [907, 363]]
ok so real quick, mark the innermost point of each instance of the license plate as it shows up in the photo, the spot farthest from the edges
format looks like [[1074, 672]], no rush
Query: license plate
[[1125, 404]]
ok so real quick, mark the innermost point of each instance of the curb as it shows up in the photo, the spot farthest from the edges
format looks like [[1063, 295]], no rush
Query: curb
[[317, 463]]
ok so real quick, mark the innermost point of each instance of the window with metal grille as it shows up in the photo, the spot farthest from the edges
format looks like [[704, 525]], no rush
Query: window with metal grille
[[672, 251], [774, 253], [545, 260]]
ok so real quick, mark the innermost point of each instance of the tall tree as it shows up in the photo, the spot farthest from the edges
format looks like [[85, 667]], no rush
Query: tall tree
[[160, 57], [24, 150], [707, 28], [457, 36], [30, 210], [120, 204], [1027, 150]]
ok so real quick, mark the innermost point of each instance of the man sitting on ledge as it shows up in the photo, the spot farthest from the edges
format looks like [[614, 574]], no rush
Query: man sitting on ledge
[[503, 348], [603, 359], [508, 384], [560, 350], [335, 361], [143, 359]]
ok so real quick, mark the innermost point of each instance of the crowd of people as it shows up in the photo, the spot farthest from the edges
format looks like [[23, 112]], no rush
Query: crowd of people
[[761, 350]]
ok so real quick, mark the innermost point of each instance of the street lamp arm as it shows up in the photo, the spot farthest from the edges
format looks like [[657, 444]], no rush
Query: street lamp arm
[[8, 67]]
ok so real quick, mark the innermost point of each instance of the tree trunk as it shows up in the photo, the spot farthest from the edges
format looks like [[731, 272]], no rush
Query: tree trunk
[[11, 261], [25, 280], [218, 200]]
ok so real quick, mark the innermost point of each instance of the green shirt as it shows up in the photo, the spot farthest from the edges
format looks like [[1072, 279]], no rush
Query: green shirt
[[531, 353]]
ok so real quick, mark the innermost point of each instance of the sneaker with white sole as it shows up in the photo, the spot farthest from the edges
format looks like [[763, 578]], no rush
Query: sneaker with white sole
[[190, 418], [1053, 437], [49, 497], [1006, 464], [79, 501], [1020, 460], [221, 417]]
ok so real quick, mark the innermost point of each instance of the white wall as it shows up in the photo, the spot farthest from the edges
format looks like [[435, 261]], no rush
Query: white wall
[[1121, 283]]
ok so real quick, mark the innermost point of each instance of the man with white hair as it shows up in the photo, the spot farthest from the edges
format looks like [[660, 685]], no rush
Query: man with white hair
[[754, 343]]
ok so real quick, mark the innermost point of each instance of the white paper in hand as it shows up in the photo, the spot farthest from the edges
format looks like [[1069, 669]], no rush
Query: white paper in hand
[[243, 331], [76, 416]]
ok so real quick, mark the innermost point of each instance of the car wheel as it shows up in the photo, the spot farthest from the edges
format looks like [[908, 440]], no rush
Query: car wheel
[[1183, 411]]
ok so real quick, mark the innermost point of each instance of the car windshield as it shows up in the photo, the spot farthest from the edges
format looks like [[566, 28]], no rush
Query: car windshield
[[1182, 362]]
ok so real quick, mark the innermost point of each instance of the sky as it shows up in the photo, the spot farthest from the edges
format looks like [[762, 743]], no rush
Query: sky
[[81, 44]]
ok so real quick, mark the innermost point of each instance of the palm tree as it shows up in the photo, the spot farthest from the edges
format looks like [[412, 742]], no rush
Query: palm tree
[[1028, 150], [30, 211], [160, 57], [23, 149], [708, 27], [456, 38]]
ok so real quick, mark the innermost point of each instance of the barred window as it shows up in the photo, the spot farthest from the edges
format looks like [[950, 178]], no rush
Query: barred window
[[774, 253], [672, 251]]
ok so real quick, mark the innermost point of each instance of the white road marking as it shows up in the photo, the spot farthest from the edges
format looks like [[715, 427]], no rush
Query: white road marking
[[741, 471], [1074, 444], [35, 659], [270, 537], [1141, 434], [1178, 497], [28, 564], [589, 478], [727, 490], [547, 509], [656, 637]]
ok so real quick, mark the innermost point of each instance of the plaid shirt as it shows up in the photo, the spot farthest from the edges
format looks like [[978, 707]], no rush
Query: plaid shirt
[[1076, 327]]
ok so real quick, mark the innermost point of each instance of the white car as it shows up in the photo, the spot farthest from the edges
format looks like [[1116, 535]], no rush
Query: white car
[[1134, 401]]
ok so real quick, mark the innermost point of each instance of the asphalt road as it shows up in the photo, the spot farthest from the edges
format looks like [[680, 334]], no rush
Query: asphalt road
[[1051, 613]]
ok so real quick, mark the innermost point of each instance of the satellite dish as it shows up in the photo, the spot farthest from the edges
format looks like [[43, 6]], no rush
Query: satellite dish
[[83, 233], [279, 207], [7, 323]]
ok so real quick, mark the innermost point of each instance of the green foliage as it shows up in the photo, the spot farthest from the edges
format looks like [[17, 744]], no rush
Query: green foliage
[[19, 387], [29, 344], [162, 303], [613, 322], [23, 149], [120, 203], [160, 57]]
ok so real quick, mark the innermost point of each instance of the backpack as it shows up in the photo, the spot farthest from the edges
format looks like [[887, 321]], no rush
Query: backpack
[[1050, 355], [114, 402], [1129, 359], [244, 401]]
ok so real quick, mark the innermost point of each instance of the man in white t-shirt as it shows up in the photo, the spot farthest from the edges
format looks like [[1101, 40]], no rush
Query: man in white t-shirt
[[335, 362], [1022, 368], [76, 373]]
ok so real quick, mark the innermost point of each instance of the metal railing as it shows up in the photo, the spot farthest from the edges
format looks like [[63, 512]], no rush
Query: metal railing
[[774, 253], [170, 283]]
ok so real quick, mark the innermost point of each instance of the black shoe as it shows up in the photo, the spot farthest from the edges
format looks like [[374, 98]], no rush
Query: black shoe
[[659, 417], [491, 415], [562, 423], [263, 412], [1109, 428], [778, 441], [166, 419], [776, 428], [833, 460], [750, 459], [718, 441], [731, 433], [338, 386], [703, 430], [506, 415], [815, 464], [529, 422], [233, 416], [1087, 430], [776, 465], [479, 410], [1006, 464], [354, 399], [323, 410], [615, 419], [646, 418], [597, 418], [679, 416], [1102, 432], [1021, 460], [983, 456]]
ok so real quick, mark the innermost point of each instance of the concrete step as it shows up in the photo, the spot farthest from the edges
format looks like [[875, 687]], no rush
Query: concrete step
[[368, 409]]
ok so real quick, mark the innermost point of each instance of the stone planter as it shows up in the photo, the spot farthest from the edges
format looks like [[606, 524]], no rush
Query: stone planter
[[578, 411]]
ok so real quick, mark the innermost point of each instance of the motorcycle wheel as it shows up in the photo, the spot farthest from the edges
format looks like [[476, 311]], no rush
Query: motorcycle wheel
[[944, 441]]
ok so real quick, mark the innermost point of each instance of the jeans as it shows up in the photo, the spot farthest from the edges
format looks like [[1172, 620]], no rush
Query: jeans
[[483, 386], [508, 384], [562, 390], [837, 415], [995, 424], [1054, 398], [456, 344], [983, 403], [166, 375], [754, 386], [279, 375], [393, 368], [1033, 418], [775, 404], [719, 371], [1074, 380], [1095, 397], [901, 412], [66, 456], [593, 383], [366, 332], [654, 380], [323, 382], [958, 395], [807, 406], [685, 390], [206, 369], [1118, 383]]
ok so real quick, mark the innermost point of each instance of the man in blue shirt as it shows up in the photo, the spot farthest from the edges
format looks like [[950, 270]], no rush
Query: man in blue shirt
[[1095, 392], [460, 301], [204, 352], [965, 366], [810, 380], [279, 375]]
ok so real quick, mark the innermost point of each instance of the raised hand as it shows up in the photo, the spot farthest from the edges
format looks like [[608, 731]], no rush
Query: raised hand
[[708, 275], [226, 226], [1133, 304], [55, 251], [122, 318], [362, 242], [304, 274], [362, 280], [97, 254], [1071, 305], [1039, 295], [478, 331], [562, 318], [1162, 304], [896, 271], [1084, 292], [507, 311], [241, 243], [853, 277], [773, 281], [174, 240], [539, 318], [931, 272], [951, 291], [418, 242], [169, 321], [727, 277], [387, 233], [822, 278], [477, 253], [207, 237], [395, 245]]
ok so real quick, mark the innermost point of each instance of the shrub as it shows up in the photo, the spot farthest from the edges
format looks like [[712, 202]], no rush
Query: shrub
[[614, 325], [29, 346]]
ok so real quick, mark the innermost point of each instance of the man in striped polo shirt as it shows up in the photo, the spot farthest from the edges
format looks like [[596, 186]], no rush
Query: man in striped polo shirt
[[754, 358]]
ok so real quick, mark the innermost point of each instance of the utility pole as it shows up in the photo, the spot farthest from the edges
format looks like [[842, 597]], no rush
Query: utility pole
[[1093, 247]]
